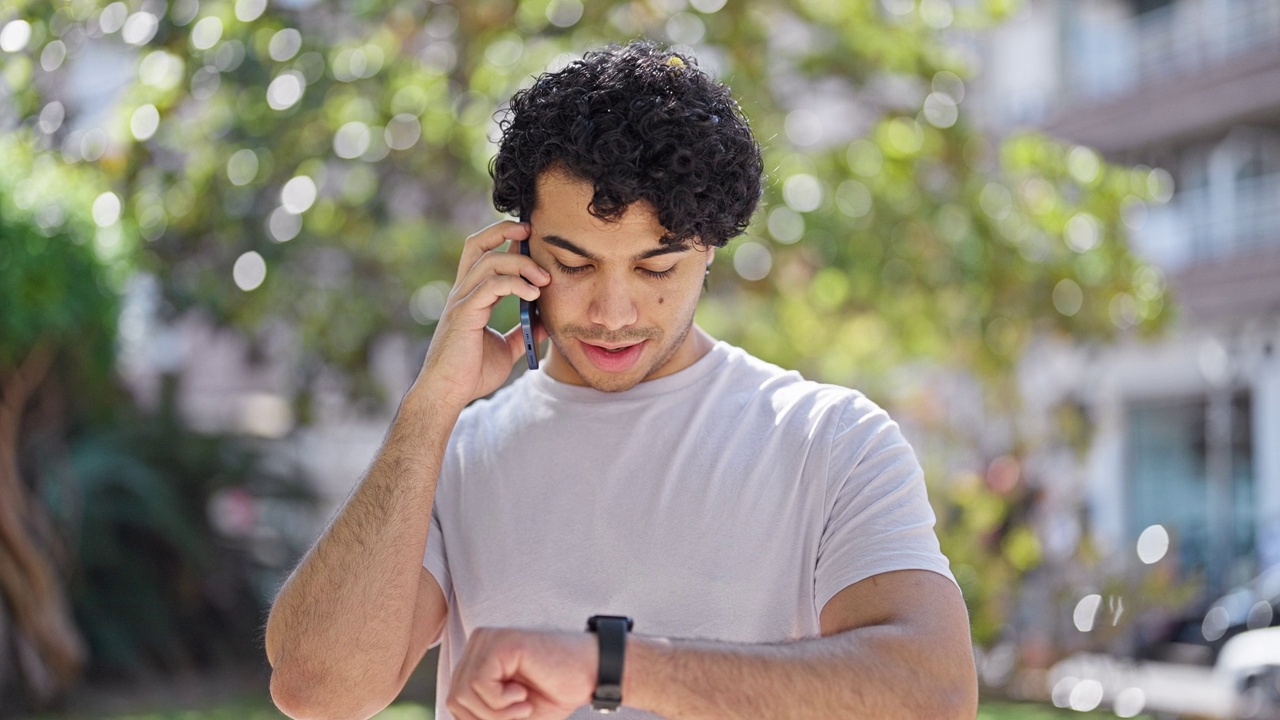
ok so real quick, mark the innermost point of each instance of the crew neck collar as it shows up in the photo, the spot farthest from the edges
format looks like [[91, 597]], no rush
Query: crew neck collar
[[699, 369]]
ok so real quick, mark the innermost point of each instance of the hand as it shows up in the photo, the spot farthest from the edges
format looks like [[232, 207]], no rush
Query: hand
[[468, 359], [507, 673]]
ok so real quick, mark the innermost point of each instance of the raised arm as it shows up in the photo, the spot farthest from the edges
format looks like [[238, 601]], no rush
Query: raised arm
[[359, 611], [895, 645]]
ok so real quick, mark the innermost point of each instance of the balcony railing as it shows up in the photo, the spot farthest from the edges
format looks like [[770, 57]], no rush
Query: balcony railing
[[1108, 58], [1209, 223]]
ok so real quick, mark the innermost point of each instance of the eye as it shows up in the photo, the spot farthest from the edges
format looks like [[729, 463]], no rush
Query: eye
[[657, 274], [571, 269]]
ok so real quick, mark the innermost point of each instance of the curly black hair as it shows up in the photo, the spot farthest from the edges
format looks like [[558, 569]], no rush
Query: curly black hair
[[639, 123]]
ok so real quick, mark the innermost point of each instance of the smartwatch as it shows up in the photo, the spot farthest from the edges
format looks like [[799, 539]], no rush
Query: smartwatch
[[612, 632]]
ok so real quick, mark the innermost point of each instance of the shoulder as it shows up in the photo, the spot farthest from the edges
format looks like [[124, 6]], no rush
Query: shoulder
[[841, 410]]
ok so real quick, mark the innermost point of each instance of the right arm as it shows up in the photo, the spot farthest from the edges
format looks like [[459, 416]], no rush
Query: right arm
[[358, 613]]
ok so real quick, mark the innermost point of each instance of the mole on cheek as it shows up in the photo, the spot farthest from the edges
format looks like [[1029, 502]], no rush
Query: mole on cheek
[[661, 300]]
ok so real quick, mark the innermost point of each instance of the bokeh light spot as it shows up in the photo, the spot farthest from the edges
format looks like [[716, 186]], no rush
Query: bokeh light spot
[[1083, 232], [51, 117], [160, 70], [864, 158], [249, 271], [1061, 693], [285, 44], [286, 90], [206, 33], [106, 209], [1259, 616], [183, 12], [505, 51], [785, 225], [93, 144], [283, 225], [853, 198], [949, 84], [1068, 298], [803, 128], [427, 302], [351, 141], [905, 136], [1086, 696], [250, 10], [1084, 165], [1215, 623], [1153, 543], [1086, 612], [802, 192], [937, 14], [1130, 702], [564, 13], [139, 28], [940, 110], [1160, 185], [113, 17], [15, 35], [685, 29], [298, 195], [402, 131], [52, 56], [144, 122], [752, 261], [242, 167]]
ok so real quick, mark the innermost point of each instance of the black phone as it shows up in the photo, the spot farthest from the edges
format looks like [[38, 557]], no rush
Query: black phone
[[528, 314]]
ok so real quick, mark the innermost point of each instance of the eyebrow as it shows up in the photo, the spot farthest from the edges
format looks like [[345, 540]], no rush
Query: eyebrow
[[564, 244]]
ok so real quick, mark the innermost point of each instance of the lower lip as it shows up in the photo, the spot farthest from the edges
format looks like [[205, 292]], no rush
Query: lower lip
[[613, 361]]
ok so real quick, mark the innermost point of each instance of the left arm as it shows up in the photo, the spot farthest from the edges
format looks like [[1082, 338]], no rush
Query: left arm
[[895, 645]]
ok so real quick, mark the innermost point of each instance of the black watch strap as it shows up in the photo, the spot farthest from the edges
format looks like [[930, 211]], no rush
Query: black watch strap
[[612, 633]]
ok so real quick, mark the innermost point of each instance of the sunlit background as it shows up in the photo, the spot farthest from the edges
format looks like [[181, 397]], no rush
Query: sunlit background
[[1042, 233]]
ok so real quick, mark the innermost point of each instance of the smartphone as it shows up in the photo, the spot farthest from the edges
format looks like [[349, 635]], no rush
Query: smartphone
[[528, 314]]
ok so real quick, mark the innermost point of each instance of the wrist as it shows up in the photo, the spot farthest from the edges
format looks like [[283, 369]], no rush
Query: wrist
[[646, 658], [426, 402]]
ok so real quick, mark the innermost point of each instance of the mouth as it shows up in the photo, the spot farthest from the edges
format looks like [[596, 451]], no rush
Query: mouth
[[613, 358]]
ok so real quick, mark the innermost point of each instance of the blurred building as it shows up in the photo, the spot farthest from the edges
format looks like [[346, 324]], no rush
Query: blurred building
[[1186, 429]]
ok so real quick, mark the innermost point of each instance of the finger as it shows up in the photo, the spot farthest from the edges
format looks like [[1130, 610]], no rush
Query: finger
[[496, 263], [466, 706], [496, 694], [488, 293], [488, 239]]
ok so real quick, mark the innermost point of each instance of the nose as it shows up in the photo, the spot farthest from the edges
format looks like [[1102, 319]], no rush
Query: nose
[[612, 306]]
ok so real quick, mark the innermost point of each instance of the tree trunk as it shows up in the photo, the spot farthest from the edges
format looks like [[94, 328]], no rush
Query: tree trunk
[[43, 644]]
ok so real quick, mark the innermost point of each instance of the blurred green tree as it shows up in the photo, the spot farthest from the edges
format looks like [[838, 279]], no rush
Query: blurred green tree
[[56, 337], [319, 163]]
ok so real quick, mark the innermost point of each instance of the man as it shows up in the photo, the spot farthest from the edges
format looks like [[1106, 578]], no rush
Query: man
[[769, 537]]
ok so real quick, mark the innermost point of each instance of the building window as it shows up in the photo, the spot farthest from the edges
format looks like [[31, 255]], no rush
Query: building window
[[1191, 470]]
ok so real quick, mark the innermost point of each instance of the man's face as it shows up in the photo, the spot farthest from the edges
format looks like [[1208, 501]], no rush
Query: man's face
[[620, 304]]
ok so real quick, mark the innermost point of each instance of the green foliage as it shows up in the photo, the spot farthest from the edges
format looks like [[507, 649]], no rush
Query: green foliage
[[155, 586], [54, 285]]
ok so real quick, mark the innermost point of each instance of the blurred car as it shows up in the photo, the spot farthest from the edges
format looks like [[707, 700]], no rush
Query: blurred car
[[1222, 663]]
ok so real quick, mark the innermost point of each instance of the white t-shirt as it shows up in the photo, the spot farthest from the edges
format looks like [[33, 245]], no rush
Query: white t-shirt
[[729, 501]]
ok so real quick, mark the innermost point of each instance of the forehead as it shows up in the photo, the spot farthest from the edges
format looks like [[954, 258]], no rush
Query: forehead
[[563, 203]]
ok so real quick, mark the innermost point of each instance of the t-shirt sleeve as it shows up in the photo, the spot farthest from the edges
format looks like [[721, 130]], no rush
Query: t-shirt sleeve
[[878, 513], [434, 559]]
